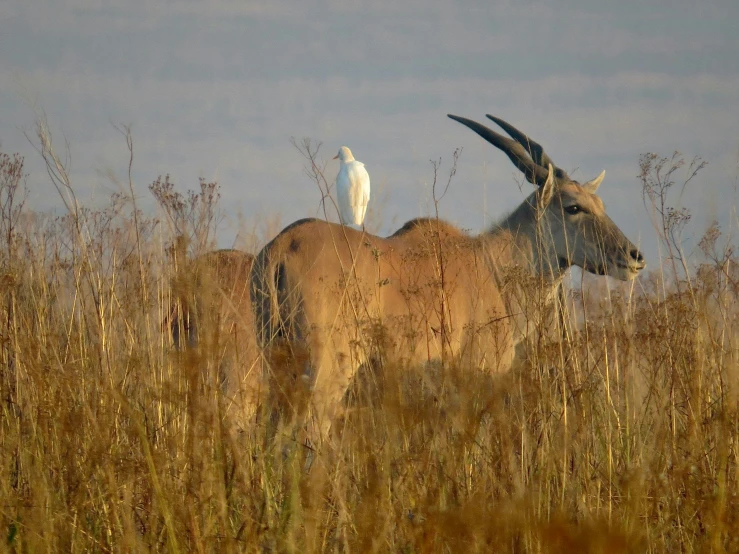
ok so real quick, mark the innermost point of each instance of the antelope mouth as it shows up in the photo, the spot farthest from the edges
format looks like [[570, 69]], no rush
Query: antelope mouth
[[629, 271], [617, 269], [633, 268], [623, 272]]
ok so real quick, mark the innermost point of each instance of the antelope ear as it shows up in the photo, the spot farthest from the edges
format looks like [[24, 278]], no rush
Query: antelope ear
[[546, 191], [592, 186]]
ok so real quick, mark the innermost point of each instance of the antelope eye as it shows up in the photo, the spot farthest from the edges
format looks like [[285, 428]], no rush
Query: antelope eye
[[574, 209]]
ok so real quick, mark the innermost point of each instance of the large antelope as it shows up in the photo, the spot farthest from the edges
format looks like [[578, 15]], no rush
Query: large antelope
[[213, 313], [322, 291]]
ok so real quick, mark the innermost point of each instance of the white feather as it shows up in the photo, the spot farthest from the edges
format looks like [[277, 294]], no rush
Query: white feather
[[352, 188]]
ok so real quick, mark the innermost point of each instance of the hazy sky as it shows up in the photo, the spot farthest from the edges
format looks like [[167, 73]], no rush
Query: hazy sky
[[216, 89]]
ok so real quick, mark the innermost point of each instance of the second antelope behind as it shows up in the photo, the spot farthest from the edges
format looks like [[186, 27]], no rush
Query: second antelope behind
[[321, 291]]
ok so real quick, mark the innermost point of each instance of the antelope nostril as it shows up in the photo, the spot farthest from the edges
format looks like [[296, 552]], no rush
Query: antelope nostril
[[636, 255]]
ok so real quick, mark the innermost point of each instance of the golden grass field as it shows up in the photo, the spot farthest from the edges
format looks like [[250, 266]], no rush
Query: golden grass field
[[615, 432]]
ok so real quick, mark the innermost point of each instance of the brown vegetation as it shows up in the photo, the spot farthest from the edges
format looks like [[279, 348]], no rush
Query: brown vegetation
[[616, 432]]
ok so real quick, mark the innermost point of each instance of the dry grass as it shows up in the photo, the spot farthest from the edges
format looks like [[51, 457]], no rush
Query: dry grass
[[615, 433]]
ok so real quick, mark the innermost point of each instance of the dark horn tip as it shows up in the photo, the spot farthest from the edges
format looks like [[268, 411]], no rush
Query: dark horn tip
[[459, 119]]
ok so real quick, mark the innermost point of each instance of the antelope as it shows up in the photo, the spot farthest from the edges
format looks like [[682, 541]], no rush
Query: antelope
[[321, 290], [213, 313]]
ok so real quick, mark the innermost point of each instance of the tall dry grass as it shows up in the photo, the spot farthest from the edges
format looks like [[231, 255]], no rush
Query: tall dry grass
[[615, 432]]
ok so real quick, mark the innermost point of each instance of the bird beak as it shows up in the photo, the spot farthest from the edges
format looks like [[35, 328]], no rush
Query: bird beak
[[335, 157]]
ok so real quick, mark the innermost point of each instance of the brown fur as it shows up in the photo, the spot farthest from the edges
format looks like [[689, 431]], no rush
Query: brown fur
[[215, 316], [428, 292]]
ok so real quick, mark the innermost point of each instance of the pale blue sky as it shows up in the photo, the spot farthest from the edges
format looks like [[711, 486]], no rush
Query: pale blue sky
[[216, 89]]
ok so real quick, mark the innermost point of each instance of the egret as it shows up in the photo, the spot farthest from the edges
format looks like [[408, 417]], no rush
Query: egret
[[352, 188]]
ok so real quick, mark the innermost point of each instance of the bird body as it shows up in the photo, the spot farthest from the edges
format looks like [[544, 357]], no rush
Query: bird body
[[352, 188]]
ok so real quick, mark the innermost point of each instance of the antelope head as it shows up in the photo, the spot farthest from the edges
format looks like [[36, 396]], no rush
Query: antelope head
[[569, 220]]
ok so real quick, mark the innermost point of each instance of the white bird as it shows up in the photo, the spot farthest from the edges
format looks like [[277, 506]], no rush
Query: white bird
[[352, 188]]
